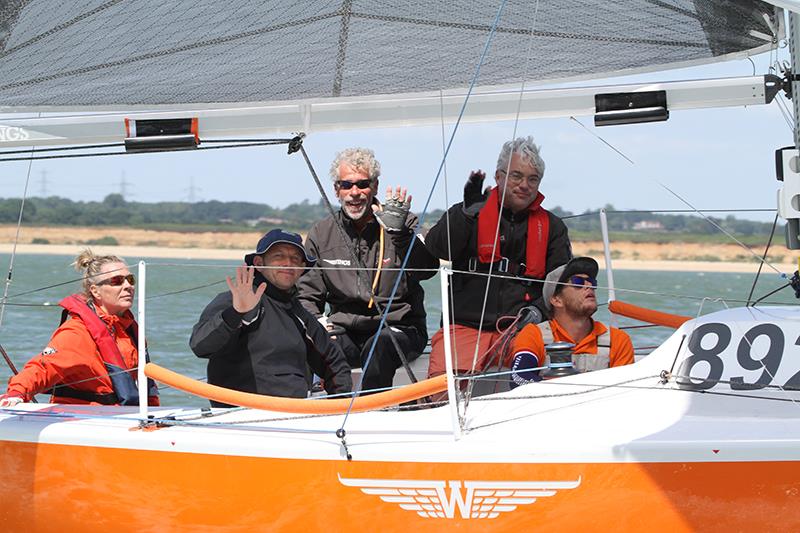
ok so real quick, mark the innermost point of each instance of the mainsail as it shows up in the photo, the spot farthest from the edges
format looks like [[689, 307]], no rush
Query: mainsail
[[117, 54]]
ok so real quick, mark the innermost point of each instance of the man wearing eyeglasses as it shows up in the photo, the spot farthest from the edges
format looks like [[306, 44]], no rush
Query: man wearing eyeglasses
[[361, 249], [258, 338], [569, 294], [501, 243]]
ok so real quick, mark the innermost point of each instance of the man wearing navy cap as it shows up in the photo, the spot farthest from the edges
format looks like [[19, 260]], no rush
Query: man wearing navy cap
[[258, 338]]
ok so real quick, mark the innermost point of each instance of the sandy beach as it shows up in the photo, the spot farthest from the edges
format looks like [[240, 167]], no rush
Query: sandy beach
[[137, 243]]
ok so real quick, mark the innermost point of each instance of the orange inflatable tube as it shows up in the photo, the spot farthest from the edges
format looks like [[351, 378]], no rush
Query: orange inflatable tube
[[296, 405], [647, 315]]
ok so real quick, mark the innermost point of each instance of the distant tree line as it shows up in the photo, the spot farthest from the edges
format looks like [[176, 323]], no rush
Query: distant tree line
[[651, 222], [114, 210]]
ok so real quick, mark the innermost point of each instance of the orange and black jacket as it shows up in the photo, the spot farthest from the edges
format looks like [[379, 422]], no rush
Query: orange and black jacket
[[90, 359], [455, 238]]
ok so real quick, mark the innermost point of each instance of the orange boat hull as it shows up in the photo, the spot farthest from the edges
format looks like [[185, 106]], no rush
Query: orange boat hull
[[77, 488]]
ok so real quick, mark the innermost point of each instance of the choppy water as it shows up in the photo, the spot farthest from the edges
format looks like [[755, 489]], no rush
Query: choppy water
[[178, 291]]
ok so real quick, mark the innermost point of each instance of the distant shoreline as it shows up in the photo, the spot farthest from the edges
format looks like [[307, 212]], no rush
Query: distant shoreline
[[133, 244], [235, 256]]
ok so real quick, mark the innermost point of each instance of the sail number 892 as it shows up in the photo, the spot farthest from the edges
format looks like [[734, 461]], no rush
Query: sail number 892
[[709, 356]]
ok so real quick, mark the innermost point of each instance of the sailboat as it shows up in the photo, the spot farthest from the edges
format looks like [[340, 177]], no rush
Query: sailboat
[[702, 434]]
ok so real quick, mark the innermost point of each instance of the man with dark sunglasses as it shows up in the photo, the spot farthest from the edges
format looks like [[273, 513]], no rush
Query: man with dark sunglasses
[[360, 250], [569, 294]]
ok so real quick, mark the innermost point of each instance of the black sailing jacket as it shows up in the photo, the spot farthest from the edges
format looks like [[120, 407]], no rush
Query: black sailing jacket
[[269, 355], [509, 291], [347, 291]]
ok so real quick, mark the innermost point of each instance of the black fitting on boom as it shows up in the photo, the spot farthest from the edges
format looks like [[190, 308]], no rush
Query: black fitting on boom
[[296, 143]]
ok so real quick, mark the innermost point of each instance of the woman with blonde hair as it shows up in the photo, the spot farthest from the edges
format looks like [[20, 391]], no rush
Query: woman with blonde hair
[[92, 356]]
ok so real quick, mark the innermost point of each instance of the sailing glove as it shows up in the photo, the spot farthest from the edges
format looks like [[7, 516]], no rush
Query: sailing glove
[[393, 214], [473, 197]]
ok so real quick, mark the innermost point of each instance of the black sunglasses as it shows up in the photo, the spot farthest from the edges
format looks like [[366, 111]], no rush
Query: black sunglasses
[[347, 185], [581, 281], [119, 279]]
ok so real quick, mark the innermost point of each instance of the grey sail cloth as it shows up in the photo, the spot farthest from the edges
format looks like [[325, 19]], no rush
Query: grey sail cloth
[[91, 53]]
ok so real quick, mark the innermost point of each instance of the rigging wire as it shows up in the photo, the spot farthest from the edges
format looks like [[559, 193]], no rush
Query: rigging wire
[[783, 108], [711, 221], [770, 294], [180, 291], [659, 211], [643, 292], [683, 200], [602, 140], [106, 154], [638, 292], [183, 291], [502, 200], [62, 283], [122, 145], [474, 80], [625, 385], [16, 239], [62, 148], [760, 265]]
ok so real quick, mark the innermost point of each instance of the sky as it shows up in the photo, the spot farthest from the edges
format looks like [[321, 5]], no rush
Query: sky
[[714, 159]]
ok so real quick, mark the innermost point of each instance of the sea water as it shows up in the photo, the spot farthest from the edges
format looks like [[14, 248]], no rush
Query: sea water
[[178, 290]]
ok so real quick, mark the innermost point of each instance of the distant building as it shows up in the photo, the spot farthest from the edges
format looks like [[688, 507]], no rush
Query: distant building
[[264, 220], [648, 225]]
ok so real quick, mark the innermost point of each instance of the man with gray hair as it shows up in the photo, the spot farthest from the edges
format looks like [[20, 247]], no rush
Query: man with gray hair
[[360, 251], [504, 232]]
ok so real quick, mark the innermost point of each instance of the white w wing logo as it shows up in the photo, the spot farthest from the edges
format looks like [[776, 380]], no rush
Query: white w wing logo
[[482, 499]]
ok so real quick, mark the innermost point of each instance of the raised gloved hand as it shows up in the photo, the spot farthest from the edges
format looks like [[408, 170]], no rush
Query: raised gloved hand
[[474, 196], [394, 211], [10, 401]]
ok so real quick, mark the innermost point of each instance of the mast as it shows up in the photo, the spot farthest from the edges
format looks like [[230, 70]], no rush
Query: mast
[[787, 160], [794, 50]]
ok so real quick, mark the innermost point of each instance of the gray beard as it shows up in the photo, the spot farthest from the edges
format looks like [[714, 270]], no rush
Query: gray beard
[[347, 213]]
